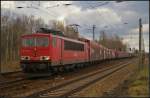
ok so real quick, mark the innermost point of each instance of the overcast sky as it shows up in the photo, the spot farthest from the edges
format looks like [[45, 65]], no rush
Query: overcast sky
[[115, 18]]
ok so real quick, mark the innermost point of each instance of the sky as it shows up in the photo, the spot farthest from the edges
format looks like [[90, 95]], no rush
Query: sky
[[109, 16]]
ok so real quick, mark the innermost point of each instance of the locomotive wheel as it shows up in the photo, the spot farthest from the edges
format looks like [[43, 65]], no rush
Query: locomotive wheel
[[70, 68], [60, 69], [55, 70], [65, 69], [79, 66], [82, 65], [51, 70], [76, 66], [73, 67]]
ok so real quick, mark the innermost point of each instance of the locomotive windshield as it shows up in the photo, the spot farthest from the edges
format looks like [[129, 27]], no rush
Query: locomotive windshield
[[35, 41]]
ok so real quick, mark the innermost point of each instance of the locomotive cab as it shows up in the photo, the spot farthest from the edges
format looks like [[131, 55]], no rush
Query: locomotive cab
[[35, 52]]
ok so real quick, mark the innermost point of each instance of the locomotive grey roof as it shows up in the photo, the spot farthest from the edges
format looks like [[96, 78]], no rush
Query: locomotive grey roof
[[48, 31]]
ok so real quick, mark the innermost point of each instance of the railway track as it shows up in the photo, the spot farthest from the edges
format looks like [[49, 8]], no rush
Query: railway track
[[18, 80], [12, 83], [20, 83], [74, 85], [11, 78], [12, 73]]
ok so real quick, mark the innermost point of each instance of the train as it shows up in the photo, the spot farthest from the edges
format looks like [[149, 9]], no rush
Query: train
[[49, 50]]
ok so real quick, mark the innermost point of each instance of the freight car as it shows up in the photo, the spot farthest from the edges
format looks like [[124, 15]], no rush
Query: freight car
[[47, 52]]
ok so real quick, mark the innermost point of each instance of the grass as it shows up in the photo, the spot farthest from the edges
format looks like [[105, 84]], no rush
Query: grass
[[137, 85], [140, 86], [10, 66]]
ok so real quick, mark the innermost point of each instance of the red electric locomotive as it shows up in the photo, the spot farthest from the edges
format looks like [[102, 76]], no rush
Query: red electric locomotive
[[44, 52], [49, 50]]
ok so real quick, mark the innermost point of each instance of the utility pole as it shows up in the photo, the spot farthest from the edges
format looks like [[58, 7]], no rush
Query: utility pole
[[142, 49], [131, 42], [0, 67], [39, 3], [102, 35], [140, 39], [94, 32]]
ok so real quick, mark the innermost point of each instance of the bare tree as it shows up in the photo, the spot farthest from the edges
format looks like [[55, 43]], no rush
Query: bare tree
[[112, 42], [67, 30], [12, 27]]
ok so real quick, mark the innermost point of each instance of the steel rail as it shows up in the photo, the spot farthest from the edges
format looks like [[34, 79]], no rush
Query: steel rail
[[92, 81], [69, 82]]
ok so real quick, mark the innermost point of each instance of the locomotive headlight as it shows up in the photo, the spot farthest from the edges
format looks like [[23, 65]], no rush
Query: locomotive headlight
[[44, 58], [25, 58]]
